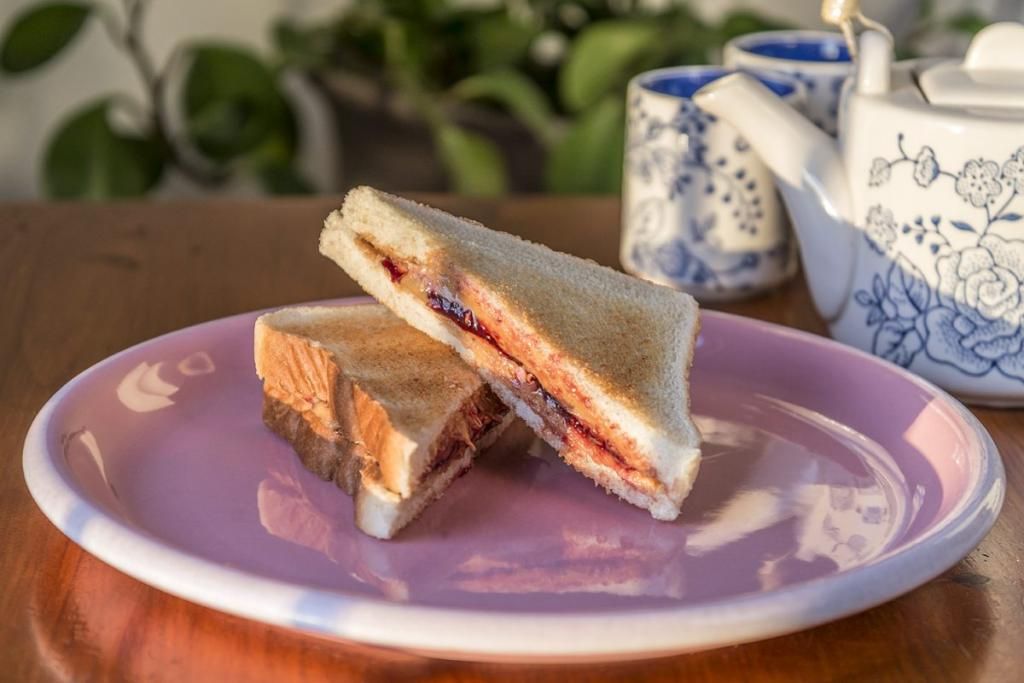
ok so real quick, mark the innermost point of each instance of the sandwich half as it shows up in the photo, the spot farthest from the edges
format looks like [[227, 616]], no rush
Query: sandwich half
[[387, 413], [595, 361]]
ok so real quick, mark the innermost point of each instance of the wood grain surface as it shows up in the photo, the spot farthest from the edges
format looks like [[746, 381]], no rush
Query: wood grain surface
[[79, 282]]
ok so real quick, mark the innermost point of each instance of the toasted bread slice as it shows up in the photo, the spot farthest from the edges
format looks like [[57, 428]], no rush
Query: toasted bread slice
[[387, 413], [594, 360], [379, 512]]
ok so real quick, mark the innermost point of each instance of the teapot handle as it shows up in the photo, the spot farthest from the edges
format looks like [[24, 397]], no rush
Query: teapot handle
[[843, 14]]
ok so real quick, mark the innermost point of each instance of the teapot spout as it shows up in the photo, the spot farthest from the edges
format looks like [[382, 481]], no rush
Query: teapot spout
[[809, 173]]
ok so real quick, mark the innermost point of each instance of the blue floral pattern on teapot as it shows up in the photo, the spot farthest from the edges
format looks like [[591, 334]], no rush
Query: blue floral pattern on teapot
[[909, 221], [974, 318]]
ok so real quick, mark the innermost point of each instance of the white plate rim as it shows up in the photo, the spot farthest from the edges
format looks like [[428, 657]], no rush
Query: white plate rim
[[516, 636]]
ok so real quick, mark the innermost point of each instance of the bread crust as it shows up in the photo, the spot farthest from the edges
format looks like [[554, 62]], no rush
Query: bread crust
[[379, 512], [575, 306], [366, 373], [324, 452], [615, 351], [325, 392]]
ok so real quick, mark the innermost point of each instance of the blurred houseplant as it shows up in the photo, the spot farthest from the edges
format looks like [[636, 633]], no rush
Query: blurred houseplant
[[480, 96], [489, 96], [227, 116], [523, 94]]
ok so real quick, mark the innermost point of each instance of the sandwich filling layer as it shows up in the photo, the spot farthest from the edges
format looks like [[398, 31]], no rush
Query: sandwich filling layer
[[481, 413], [563, 426]]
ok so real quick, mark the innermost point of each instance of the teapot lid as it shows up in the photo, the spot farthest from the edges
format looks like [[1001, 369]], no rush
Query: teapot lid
[[991, 74]]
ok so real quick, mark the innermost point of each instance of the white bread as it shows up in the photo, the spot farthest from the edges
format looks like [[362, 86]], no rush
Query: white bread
[[612, 349], [384, 384], [365, 400], [381, 512]]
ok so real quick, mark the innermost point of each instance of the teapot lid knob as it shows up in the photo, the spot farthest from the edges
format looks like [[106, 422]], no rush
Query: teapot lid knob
[[997, 47], [991, 74]]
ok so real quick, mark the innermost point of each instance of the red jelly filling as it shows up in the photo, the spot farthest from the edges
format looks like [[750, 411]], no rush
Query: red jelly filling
[[461, 316], [467, 320], [479, 422], [576, 424], [394, 270]]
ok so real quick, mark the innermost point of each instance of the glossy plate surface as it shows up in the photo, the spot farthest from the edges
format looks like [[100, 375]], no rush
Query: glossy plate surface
[[831, 482]]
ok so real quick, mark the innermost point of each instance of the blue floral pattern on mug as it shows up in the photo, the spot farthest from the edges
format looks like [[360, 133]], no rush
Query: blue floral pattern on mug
[[692, 254], [685, 258], [973, 317]]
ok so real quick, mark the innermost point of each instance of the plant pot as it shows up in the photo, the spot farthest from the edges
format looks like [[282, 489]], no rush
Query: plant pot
[[385, 144]]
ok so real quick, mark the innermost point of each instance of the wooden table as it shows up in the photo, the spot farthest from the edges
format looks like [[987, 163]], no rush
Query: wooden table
[[79, 282]]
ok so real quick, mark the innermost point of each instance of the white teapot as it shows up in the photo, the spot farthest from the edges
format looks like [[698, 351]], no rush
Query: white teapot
[[910, 224]]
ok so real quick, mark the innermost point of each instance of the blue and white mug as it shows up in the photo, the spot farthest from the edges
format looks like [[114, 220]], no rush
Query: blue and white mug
[[700, 209], [820, 60]]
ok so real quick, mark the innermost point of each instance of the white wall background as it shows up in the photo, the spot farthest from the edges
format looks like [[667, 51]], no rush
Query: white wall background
[[32, 105]]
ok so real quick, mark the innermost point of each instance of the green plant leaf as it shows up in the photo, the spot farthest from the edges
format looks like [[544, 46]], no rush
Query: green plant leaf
[[967, 22], [281, 145], [39, 34], [405, 53], [473, 162], [499, 40], [217, 124], [232, 106], [420, 11], [589, 159], [284, 179], [87, 159], [741, 21], [306, 48], [603, 57], [516, 93]]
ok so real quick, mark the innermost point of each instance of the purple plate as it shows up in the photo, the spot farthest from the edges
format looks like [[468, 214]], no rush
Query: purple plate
[[831, 482]]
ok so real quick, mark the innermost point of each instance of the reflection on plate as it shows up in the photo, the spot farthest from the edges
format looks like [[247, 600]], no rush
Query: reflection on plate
[[811, 504], [595, 554]]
